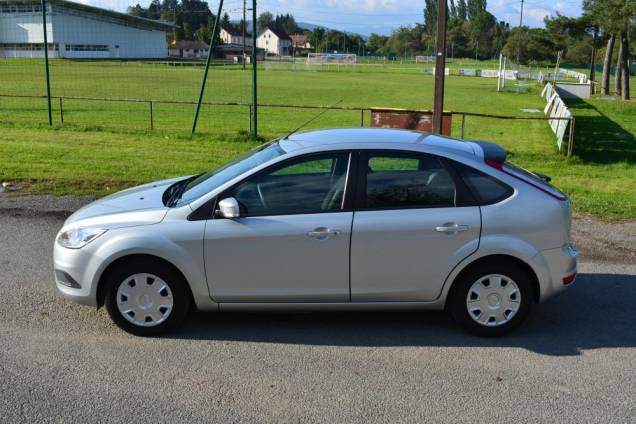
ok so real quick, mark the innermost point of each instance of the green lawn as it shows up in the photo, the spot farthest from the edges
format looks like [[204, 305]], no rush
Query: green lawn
[[392, 85], [104, 146]]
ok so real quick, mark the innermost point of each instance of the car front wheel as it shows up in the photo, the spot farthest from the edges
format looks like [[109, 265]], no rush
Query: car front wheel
[[491, 300], [147, 298]]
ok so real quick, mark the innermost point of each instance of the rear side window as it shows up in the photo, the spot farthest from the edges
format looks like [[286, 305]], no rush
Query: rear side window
[[486, 189], [405, 180]]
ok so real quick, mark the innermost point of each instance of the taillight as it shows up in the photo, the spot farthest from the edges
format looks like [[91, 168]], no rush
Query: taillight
[[569, 279], [552, 193]]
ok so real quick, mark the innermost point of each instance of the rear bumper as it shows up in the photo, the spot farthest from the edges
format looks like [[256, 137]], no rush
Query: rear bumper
[[561, 264]]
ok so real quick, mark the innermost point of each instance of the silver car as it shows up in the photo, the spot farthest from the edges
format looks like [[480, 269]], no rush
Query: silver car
[[338, 218]]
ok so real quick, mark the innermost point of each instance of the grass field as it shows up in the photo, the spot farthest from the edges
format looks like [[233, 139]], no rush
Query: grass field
[[393, 85], [104, 146]]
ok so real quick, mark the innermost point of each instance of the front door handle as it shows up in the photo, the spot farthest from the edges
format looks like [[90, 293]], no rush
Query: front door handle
[[323, 233], [451, 228]]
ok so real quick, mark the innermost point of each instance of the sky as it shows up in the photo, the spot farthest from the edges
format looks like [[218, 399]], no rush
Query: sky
[[379, 16]]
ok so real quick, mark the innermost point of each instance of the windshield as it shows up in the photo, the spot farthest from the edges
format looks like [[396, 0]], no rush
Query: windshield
[[207, 182]]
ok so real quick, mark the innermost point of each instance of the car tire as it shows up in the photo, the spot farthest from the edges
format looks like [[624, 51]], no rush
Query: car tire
[[491, 299], [146, 297]]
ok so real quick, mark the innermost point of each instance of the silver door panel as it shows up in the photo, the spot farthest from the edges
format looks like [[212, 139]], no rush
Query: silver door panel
[[405, 255], [289, 258]]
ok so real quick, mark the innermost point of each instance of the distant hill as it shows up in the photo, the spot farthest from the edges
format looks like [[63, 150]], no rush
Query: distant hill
[[308, 26]]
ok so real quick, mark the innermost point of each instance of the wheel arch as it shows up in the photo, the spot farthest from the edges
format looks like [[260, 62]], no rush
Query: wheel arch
[[131, 258], [498, 258]]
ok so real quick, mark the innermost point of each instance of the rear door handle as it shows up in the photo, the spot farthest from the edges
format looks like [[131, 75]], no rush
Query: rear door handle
[[451, 228], [323, 233]]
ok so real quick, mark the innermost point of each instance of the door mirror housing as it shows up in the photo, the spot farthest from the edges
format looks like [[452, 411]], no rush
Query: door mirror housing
[[229, 208]]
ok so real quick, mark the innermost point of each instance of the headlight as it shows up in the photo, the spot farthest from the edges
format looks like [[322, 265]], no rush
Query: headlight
[[76, 238]]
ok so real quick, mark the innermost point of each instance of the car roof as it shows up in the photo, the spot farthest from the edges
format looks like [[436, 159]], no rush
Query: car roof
[[384, 137]]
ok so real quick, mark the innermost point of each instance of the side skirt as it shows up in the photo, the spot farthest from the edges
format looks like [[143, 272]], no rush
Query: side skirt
[[343, 306]]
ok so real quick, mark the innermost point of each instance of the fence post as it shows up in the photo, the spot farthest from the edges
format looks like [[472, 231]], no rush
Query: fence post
[[152, 120], [361, 117], [61, 112], [463, 125], [250, 118], [571, 136]]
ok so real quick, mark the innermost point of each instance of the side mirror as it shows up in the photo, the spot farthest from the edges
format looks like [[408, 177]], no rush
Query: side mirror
[[229, 208]]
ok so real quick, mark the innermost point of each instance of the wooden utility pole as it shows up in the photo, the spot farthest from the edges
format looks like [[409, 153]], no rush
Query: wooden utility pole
[[519, 37], [440, 68]]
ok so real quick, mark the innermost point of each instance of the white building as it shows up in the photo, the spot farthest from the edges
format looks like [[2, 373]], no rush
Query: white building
[[189, 49], [78, 31], [235, 36], [275, 41]]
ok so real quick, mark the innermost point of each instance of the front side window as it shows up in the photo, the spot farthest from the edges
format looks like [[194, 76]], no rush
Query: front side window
[[309, 185], [312, 184], [407, 180]]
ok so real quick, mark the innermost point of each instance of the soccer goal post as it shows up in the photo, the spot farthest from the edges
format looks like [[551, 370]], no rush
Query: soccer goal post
[[328, 58], [424, 59]]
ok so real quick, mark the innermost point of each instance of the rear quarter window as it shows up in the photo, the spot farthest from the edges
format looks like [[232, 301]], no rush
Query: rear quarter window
[[486, 189]]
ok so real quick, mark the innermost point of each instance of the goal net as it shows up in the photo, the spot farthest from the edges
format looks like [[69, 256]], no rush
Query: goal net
[[422, 59], [328, 58]]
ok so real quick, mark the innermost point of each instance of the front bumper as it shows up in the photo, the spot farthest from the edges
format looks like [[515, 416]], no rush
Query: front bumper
[[74, 274], [561, 264]]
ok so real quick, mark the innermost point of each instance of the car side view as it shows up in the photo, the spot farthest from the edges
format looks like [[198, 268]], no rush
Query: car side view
[[327, 219]]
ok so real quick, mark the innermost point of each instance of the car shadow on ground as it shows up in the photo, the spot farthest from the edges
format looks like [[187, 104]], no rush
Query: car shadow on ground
[[597, 312]]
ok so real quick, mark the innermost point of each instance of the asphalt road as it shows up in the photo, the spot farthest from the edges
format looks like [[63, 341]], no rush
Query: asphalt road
[[573, 361]]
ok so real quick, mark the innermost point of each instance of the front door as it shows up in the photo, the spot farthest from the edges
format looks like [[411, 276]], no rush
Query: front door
[[408, 233], [291, 243]]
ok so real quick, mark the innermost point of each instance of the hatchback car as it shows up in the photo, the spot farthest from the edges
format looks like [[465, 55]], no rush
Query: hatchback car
[[338, 218]]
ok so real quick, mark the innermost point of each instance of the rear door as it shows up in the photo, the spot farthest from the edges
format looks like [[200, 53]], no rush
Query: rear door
[[409, 228]]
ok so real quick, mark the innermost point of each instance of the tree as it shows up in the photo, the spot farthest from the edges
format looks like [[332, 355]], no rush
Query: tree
[[452, 9], [481, 30], [474, 8], [430, 17], [614, 17], [225, 21], [405, 41], [458, 41], [625, 64], [462, 10], [287, 23], [537, 42], [377, 43], [187, 31], [264, 20]]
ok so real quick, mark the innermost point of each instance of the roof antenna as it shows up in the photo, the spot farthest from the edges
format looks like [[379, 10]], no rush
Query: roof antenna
[[322, 112]]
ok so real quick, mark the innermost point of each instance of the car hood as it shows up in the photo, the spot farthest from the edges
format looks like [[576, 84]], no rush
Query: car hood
[[141, 205]]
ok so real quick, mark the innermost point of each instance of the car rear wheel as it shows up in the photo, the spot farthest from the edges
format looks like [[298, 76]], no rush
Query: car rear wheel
[[147, 298], [491, 300]]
